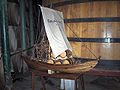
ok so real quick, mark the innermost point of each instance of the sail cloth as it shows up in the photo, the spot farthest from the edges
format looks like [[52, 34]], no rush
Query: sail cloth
[[55, 30]]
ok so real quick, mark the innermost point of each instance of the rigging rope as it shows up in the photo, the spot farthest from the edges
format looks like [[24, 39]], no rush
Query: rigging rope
[[90, 50], [81, 41]]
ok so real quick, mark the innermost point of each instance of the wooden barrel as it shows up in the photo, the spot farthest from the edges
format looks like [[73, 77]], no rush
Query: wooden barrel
[[51, 61], [63, 54], [66, 61], [96, 24]]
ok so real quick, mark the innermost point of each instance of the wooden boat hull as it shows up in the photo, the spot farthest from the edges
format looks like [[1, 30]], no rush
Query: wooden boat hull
[[76, 68]]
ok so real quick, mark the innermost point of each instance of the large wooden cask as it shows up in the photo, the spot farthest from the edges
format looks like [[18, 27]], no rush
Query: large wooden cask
[[96, 24]]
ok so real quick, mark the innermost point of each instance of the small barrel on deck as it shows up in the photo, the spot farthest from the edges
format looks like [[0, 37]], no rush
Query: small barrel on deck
[[96, 24]]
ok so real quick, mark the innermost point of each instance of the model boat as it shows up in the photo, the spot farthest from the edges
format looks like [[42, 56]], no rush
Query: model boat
[[68, 68], [55, 31]]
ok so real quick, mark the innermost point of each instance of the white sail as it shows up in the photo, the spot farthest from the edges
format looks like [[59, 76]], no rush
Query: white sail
[[55, 30]]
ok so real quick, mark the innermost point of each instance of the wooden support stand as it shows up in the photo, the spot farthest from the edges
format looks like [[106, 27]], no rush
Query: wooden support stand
[[57, 75]]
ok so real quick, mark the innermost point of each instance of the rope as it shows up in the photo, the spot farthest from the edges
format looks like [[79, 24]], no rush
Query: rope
[[90, 50], [81, 40], [76, 36]]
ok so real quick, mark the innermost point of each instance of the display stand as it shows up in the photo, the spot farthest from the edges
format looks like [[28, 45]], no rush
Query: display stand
[[57, 75]]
